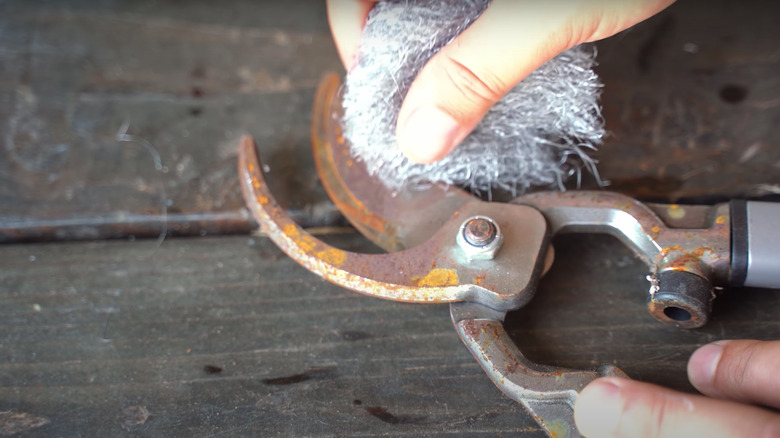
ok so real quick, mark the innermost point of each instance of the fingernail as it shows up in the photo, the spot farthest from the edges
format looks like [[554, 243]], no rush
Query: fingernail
[[598, 408], [702, 366], [427, 135]]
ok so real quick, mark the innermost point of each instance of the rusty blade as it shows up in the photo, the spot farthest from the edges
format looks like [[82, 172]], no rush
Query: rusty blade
[[434, 271], [375, 228], [393, 221]]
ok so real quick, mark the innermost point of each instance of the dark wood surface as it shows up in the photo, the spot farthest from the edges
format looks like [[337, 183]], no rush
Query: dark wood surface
[[118, 116], [225, 336], [121, 116]]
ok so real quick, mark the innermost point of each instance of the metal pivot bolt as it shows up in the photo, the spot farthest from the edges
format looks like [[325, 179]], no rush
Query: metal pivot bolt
[[480, 238]]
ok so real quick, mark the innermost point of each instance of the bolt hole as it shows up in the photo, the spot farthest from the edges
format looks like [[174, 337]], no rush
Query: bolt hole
[[677, 313]]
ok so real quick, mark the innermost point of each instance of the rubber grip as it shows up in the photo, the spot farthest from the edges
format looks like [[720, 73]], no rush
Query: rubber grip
[[763, 244]]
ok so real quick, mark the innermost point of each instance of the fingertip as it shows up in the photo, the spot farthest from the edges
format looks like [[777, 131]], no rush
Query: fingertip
[[703, 365], [347, 19], [598, 408]]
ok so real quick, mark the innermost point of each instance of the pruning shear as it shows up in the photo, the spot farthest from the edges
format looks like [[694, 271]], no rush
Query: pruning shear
[[486, 258]]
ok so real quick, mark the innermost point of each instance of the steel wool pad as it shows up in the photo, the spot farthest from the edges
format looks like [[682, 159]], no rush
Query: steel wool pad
[[537, 135]]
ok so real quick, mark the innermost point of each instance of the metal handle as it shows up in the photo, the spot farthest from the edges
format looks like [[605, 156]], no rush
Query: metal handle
[[547, 393], [687, 251], [755, 244]]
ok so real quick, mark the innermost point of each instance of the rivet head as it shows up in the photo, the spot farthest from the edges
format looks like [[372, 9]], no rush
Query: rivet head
[[479, 232], [479, 237]]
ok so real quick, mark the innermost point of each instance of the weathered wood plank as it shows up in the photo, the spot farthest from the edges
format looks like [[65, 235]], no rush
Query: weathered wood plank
[[110, 110], [228, 337], [692, 101], [691, 98]]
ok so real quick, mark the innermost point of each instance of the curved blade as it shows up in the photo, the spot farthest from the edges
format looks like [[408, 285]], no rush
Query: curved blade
[[393, 221], [436, 270]]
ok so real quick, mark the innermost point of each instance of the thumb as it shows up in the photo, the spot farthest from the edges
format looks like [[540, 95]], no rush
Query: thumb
[[614, 407], [511, 39]]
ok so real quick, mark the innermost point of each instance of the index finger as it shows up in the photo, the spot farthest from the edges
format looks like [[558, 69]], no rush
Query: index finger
[[347, 18]]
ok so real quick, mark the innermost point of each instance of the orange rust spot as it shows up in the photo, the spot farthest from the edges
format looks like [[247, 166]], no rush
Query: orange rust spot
[[479, 279], [720, 220], [344, 199], [306, 242], [291, 231], [669, 249], [335, 257], [358, 210], [262, 200], [656, 229], [303, 240], [675, 211], [437, 278], [350, 163]]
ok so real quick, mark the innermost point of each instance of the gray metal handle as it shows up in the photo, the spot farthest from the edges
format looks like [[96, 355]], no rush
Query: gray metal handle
[[756, 244]]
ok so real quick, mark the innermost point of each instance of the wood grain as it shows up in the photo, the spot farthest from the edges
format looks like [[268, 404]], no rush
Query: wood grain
[[119, 119], [118, 116], [225, 336]]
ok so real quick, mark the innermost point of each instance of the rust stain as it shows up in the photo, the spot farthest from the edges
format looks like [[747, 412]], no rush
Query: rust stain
[[324, 159], [291, 231], [686, 259], [676, 211], [335, 257], [438, 277], [344, 199], [720, 220], [669, 249], [306, 243]]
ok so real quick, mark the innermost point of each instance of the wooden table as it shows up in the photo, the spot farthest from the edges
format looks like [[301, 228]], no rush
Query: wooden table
[[120, 120]]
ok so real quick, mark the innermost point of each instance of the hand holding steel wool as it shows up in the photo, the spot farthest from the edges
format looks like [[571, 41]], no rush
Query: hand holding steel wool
[[506, 80]]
